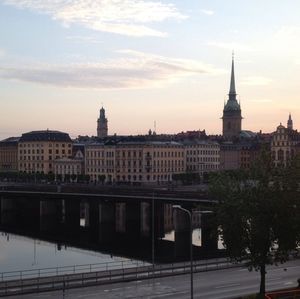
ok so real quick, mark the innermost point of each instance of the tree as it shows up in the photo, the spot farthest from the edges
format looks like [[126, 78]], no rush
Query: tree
[[258, 213], [101, 178]]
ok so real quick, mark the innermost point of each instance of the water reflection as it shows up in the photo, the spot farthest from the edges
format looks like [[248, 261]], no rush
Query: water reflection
[[22, 253]]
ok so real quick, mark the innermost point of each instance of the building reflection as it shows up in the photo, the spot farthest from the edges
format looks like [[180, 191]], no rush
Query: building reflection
[[118, 227]]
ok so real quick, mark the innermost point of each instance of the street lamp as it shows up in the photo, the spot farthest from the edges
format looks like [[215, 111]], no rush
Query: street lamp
[[191, 238]]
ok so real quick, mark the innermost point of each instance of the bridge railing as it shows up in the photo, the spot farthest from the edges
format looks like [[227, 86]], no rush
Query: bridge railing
[[134, 271], [116, 265], [74, 269]]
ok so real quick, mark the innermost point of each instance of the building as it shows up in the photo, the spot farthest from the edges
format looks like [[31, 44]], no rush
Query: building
[[9, 154], [100, 161], [37, 150], [134, 162], [232, 118], [229, 156], [69, 169], [202, 156], [102, 128], [285, 144]]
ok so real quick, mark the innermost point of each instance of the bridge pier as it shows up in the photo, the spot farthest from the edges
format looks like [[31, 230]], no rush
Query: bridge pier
[[9, 211], [72, 216], [182, 234], [50, 215], [133, 221], [209, 237], [106, 222], [145, 210]]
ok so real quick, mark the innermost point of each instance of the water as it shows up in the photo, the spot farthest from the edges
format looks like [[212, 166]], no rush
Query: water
[[197, 235], [23, 253]]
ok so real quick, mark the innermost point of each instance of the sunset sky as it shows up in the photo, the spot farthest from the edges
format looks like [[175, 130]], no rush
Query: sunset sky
[[164, 61]]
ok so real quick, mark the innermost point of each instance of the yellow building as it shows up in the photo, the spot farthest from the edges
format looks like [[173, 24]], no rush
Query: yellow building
[[37, 150]]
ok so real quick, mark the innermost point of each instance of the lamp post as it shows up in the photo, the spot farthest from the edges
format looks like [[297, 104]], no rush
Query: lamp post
[[190, 214]]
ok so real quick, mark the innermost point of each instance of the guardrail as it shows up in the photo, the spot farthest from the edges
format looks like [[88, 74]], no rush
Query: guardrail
[[67, 281], [67, 270]]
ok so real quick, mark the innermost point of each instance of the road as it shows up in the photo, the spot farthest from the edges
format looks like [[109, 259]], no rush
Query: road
[[221, 284]]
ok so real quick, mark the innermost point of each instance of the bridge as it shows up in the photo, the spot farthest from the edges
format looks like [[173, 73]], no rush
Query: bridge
[[125, 225]]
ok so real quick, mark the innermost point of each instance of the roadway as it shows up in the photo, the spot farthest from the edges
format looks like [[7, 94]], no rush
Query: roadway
[[220, 284]]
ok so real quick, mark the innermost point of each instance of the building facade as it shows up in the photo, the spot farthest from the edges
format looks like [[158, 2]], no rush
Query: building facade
[[134, 162], [102, 127], [69, 169], [9, 154], [202, 156], [37, 150], [285, 145]]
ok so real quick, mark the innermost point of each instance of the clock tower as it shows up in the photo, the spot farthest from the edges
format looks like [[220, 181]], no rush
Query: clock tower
[[102, 128]]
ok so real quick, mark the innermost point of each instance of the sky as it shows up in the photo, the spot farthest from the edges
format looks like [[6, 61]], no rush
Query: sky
[[164, 61]]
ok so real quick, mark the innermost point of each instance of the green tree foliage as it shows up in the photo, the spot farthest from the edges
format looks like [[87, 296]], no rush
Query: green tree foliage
[[258, 213]]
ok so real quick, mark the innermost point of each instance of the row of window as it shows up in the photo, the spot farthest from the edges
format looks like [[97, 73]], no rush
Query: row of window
[[203, 159], [134, 154], [155, 170], [281, 143], [32, 166], [37, 152], [203, 167], [204, 146], [130, 178], [202, 152], [42, 145], [38, 158]]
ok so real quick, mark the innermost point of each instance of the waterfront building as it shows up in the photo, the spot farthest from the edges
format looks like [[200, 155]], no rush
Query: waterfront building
[[69, 169], [202, 156], [134, 162], [9, 154], [37, 150], [102, 128]]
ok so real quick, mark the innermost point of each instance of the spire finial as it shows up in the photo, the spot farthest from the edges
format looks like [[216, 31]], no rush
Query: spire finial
[[232, 92], [290, 122]]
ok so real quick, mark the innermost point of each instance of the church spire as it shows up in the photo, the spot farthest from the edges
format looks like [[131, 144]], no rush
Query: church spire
[[290, 122], [232, 92]]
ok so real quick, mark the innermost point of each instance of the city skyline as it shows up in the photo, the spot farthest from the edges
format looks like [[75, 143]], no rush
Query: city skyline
[[146, 61]]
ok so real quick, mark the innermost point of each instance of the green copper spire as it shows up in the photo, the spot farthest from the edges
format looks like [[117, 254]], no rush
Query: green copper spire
[[232, 92]]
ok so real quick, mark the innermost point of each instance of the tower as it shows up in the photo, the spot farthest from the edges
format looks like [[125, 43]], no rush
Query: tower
[[102, 124], [290, 122], [232, 118]]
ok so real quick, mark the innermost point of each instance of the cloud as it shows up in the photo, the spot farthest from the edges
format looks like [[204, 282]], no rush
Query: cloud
[[208, 12], [132, 70], [127, 17], [84, 39], [286, 41], [230, 46], [2, 53], [256, 81]]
